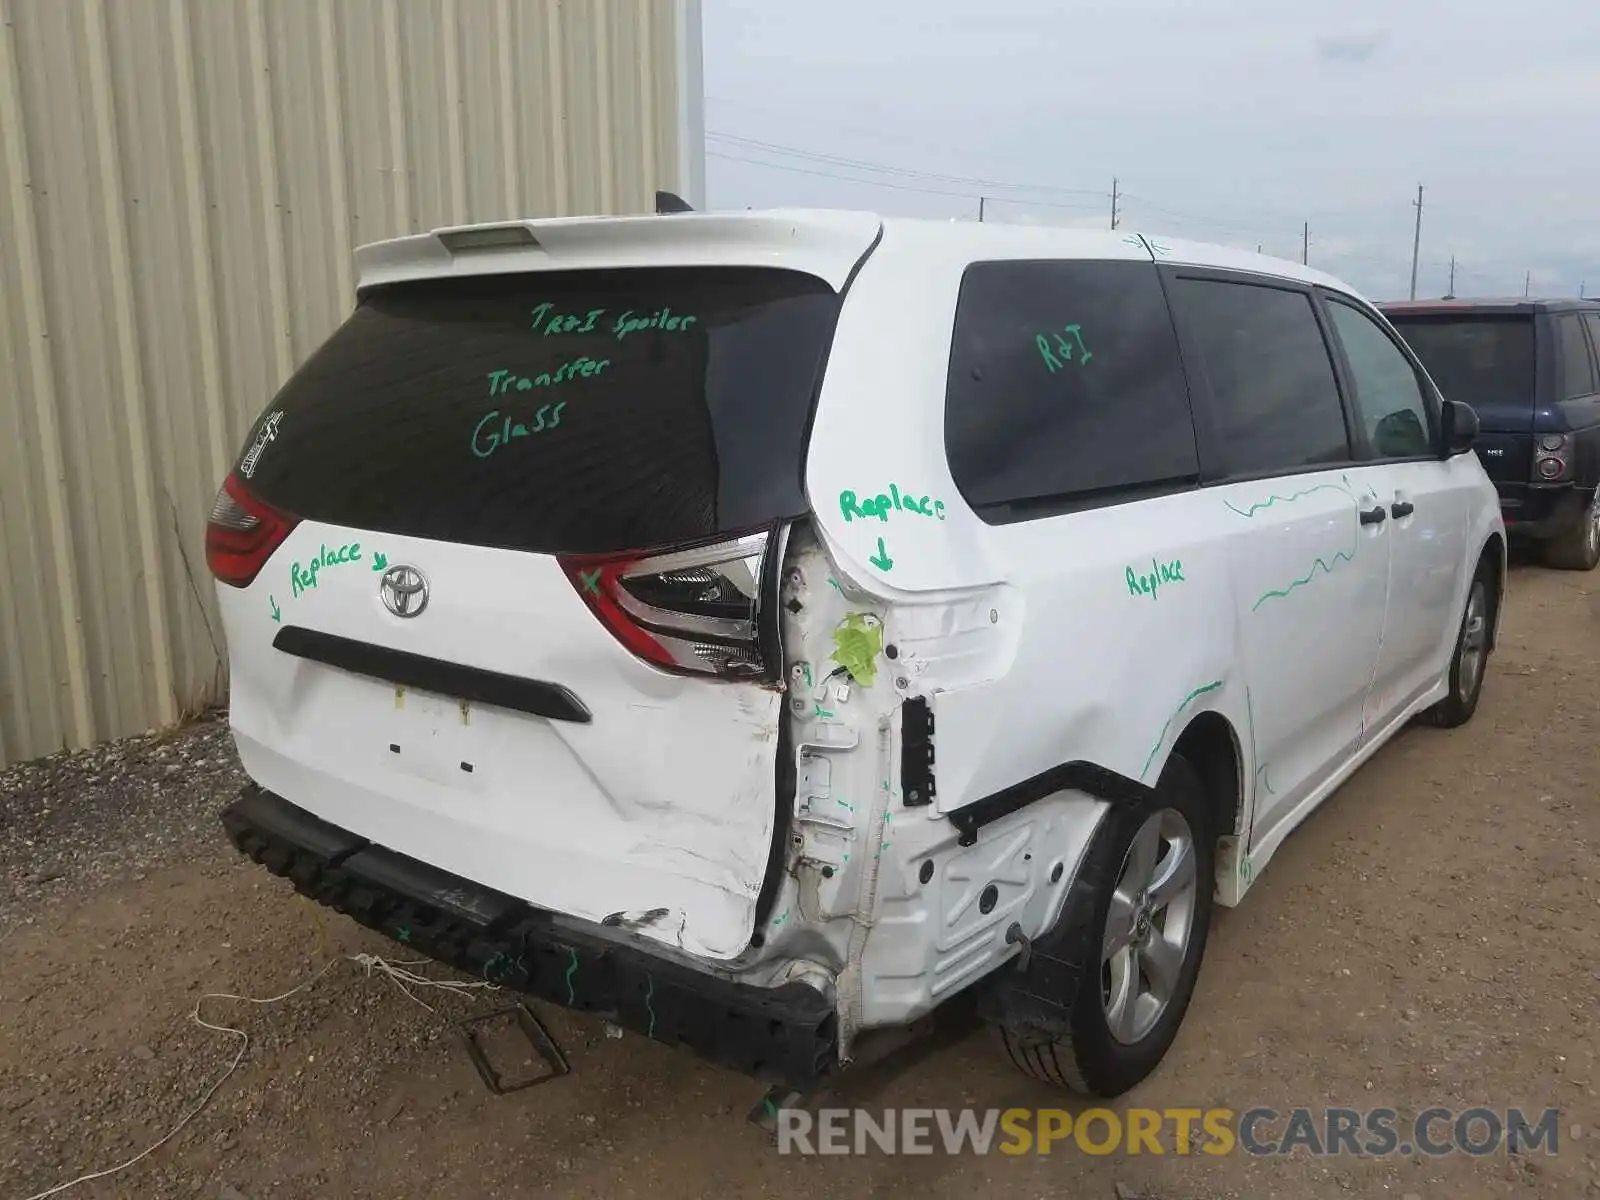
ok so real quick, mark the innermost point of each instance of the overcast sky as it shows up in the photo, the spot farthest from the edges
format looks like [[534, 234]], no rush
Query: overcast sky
[[1225, 120]]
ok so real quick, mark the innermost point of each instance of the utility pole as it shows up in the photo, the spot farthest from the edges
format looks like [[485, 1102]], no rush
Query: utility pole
[[1527, 283], [980, 209], [1305, 243], [1416, 243], [1113, 202], [1580, 292], [1451, 295]]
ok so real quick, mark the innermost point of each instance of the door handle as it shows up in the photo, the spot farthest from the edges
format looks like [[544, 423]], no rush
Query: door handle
[[1401, 508], [1373, 516]]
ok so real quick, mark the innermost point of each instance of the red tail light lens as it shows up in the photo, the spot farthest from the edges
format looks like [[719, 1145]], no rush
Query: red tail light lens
[[242, 534], [695, 611], [1553, 459]]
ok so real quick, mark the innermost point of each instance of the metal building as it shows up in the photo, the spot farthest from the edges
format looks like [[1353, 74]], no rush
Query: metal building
[[181, 185]]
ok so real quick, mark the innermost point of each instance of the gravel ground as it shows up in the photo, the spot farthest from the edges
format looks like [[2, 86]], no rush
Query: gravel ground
[[1430, 936], [71, 824]]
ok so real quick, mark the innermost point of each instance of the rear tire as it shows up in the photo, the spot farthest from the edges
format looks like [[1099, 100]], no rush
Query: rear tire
[[1470, 661], [1579, 548], [1150, 872]]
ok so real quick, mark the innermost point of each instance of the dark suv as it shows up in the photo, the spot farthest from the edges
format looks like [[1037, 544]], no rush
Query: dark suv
[[1531, 370]]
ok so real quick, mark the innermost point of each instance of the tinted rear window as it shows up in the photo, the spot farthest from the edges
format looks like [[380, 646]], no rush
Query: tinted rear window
[[1477, 360], [1064, 381], [578, 411]]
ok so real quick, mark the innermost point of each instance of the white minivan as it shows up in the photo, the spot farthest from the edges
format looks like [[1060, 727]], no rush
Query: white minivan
[[760, 629]]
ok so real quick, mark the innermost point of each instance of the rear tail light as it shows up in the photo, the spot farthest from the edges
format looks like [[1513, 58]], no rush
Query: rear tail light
[[242, 533], [693, 611], [1553, 460]]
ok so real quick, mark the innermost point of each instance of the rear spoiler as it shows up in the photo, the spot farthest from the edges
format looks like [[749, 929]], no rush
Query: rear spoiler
[[824, 243]]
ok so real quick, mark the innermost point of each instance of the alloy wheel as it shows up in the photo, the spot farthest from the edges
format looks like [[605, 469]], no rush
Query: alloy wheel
[[1474, 641], [1148, 926]]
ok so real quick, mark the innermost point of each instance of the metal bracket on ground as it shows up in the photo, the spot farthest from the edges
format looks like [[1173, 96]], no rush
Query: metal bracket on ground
[[544, 1046]]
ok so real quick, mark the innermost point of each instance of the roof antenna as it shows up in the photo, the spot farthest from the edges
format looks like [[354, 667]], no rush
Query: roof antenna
[[671, 202]]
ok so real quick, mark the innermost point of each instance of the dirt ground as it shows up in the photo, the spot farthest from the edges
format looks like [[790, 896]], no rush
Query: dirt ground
[[1430, 937]]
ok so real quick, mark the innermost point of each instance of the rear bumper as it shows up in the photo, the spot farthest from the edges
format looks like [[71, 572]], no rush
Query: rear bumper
[[784, 1035], [1539, 511]]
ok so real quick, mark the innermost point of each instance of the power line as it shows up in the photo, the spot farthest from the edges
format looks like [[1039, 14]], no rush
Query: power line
[[855, 129], [1119, 198], [867, 124], [963, 187], [898, 187], [737, 141], [1235, 226], [861, 164]]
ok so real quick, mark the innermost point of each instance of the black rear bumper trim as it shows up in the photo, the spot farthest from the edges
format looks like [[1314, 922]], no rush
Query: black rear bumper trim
[[785, 1035], [401, 667], [1089, 777]]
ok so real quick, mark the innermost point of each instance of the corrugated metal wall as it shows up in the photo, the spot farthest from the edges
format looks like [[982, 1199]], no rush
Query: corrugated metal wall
[[181, 185]]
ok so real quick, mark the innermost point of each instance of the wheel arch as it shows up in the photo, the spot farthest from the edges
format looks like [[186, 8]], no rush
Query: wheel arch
[[1494, 556], [1211, 745]]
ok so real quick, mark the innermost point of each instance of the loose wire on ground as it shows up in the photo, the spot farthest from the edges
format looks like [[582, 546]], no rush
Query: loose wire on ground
[[397, 972]]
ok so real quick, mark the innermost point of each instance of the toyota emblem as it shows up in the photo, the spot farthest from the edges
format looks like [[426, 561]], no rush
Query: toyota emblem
[[404, 591]]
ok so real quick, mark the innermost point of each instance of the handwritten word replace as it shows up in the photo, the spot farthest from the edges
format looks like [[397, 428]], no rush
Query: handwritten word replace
[[1160, 573], [881, 506], [486, 443], [303, 579]]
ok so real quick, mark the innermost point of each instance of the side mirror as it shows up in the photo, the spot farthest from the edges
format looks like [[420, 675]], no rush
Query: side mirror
[[1401, 435], [1459, 424]]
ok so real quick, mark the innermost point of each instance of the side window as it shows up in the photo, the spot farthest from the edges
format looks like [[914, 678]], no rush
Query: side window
[[1389, 395], [1592, 320], [1064, 380], [1274, 395], [1574, 365]]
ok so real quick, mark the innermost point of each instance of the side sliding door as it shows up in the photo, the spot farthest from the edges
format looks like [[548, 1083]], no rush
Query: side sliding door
[[1308, 544]]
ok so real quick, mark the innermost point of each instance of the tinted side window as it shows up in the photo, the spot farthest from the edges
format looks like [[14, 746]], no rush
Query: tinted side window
[[1064, 379], [1275, 398], [1575, 367], [1388, 393], [1482, 360], [1592, 320]]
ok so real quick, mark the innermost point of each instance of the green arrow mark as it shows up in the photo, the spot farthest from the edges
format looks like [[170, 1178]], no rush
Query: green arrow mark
[[881, 560], [277, 613], [379, 561]]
